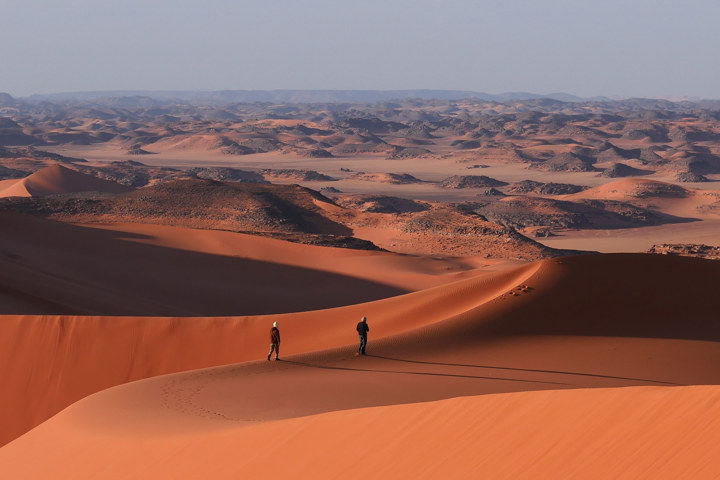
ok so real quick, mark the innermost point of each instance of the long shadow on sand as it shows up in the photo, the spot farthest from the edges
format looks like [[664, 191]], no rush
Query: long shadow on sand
[[513, 369], [49, 267], [433, 374]]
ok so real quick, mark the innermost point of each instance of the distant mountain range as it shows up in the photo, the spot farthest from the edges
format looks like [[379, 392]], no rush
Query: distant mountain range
[[144, 99], [302, 96]]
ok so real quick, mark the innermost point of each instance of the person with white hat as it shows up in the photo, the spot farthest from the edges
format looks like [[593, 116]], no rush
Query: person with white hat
[[274, 341]]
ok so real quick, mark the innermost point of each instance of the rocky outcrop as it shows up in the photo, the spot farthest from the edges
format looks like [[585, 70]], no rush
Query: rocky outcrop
[[471, 181], [619, 170], [687, 250]]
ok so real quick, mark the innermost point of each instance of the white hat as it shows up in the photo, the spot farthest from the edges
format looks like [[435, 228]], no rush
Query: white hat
[[364, 319], [274, 324]]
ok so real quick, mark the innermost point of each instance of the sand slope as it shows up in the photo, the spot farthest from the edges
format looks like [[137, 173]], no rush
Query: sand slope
[[628, 433], [56, 179], [660, 196], [72, 356], [591, 321], [50, 267]]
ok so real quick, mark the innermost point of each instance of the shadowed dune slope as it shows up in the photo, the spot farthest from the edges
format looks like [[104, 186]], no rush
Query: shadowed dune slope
[[576, 322], [56, 179], [49, 267]]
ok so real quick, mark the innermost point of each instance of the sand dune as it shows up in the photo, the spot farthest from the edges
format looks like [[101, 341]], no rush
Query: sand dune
[[198, 142], [665, 197], [51, 267], [634, 188], [577, 322], [57, 179], [115, 350], [637, 432]]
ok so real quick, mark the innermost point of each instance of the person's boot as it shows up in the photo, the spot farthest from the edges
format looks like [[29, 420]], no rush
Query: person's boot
[[268, 357]]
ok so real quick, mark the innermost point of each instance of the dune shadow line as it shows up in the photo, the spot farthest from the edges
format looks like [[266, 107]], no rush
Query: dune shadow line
[[433, 374], [558, 372]]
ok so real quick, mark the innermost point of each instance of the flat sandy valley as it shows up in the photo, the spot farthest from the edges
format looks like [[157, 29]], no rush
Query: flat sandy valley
[[539, 279]]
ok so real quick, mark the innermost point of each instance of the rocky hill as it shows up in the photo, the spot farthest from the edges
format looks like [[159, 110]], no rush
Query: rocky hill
[[295, 213]]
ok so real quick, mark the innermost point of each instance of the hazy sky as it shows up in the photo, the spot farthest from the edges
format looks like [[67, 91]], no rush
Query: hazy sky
[[599, 47]]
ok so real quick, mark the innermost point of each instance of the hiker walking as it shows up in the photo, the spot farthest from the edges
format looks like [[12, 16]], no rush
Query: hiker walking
[[362, 329], [274, 341]]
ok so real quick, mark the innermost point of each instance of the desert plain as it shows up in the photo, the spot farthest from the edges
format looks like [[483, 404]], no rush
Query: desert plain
[[540, 279]]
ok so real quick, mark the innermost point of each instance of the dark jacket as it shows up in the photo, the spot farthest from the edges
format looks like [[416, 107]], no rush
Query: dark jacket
[[274, 335], [363, 328]]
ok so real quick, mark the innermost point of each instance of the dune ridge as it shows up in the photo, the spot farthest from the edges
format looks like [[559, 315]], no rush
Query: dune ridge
[[74, 356]]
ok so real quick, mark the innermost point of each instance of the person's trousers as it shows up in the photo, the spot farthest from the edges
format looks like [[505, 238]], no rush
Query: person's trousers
[[274, 347], [363, 343]]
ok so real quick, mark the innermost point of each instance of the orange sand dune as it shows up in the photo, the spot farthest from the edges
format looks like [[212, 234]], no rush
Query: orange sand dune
[[187, 142], [666, 197], [635, 432], [590, 321], [58, 179], [72, 356], [628, 188]]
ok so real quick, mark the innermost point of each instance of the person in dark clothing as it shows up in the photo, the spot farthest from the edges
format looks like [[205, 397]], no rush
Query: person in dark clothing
[[274, 341], [362, 329]]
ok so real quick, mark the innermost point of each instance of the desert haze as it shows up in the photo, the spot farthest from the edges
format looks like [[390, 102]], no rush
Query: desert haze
[[539, 277]]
